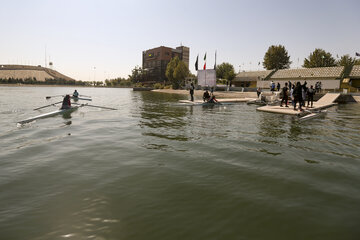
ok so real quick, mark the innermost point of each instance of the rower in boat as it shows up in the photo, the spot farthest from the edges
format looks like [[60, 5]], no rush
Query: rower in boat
[[66, 104], [212, 99], [206, 96], [75, 94]]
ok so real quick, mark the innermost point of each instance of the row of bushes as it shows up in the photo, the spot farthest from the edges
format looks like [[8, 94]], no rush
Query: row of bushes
[[108, 83], [156, 86], [33, 81]]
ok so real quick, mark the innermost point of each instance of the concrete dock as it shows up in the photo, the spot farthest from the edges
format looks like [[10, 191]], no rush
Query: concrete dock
[[326, 101]]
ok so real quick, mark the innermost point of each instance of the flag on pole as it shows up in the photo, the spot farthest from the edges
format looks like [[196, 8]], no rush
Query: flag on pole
[[357, 54], [205, 61], [215, 61], [197, 62]]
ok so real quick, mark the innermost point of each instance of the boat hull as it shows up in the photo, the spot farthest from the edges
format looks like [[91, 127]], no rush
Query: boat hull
[[50, 114]]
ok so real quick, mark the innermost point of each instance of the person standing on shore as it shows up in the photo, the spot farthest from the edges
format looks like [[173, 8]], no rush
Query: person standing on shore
[[303, 93], [192, 88], [272, 86], [278, 86], [310, 95], [298, 95], [284, 96], [292, 94], [258, 91]]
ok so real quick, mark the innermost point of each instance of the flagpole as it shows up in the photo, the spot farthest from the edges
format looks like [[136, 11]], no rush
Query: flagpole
[[205, 68]]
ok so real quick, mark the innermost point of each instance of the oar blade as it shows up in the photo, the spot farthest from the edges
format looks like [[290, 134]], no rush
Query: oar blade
[[47, 105], [108, 108]]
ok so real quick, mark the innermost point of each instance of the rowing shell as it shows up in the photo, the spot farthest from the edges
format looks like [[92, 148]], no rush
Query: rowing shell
[[50, 114]]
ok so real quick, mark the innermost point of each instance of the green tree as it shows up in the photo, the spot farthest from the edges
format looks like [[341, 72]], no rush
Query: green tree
[[176, 72], [319, 58], [346, 60], [225, 71], [276, 57], [137, 75]]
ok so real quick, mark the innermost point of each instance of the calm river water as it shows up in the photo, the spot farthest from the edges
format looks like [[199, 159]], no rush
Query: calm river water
[[155, 170]]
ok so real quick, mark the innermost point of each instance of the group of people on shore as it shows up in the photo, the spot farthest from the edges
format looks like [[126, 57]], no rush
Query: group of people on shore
[[298, 93], [274, 87]]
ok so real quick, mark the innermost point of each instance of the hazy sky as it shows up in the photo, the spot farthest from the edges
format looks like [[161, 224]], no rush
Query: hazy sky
[[93, 39]]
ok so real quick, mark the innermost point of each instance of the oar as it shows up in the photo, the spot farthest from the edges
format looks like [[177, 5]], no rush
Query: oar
[[85, 96], [48, 105], [100, 107], [47, 97]]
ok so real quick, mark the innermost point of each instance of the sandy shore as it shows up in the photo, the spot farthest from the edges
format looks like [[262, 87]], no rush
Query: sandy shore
[[220, 94]]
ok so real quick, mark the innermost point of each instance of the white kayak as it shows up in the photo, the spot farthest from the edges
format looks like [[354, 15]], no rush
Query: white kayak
[[50, 114]]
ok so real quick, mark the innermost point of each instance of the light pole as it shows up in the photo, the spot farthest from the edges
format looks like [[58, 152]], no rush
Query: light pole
[[94, 74]]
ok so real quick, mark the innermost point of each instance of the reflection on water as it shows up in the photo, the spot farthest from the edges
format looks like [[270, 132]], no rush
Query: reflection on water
[[160, 119], [67, 115]]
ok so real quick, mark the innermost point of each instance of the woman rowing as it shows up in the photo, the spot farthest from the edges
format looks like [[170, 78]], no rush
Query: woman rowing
[[212, 99], [66, 104]]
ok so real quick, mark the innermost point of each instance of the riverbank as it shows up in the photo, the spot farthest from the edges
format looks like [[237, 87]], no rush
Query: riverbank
[[218, 94]]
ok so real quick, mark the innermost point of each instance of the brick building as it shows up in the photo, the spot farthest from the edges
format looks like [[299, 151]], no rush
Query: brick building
[[156, 60]]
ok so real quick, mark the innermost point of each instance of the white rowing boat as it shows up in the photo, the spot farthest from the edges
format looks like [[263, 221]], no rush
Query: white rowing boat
[[50, 114]]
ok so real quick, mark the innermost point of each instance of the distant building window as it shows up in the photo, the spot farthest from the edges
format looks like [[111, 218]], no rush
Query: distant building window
[[167, 53]]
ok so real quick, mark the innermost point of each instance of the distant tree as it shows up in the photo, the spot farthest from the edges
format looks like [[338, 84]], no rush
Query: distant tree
[[225, 71], [276, 57], [345, 60], [319, 58], [118, 82], [176, 72], [137, 75]]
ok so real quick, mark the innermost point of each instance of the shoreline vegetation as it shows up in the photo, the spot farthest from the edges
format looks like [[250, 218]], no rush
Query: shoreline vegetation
[[34, 81], [218, 94]]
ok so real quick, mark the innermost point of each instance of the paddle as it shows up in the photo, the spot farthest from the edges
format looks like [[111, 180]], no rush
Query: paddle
[[47, 105], [100, 107], [85, 96], [47, 97]]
